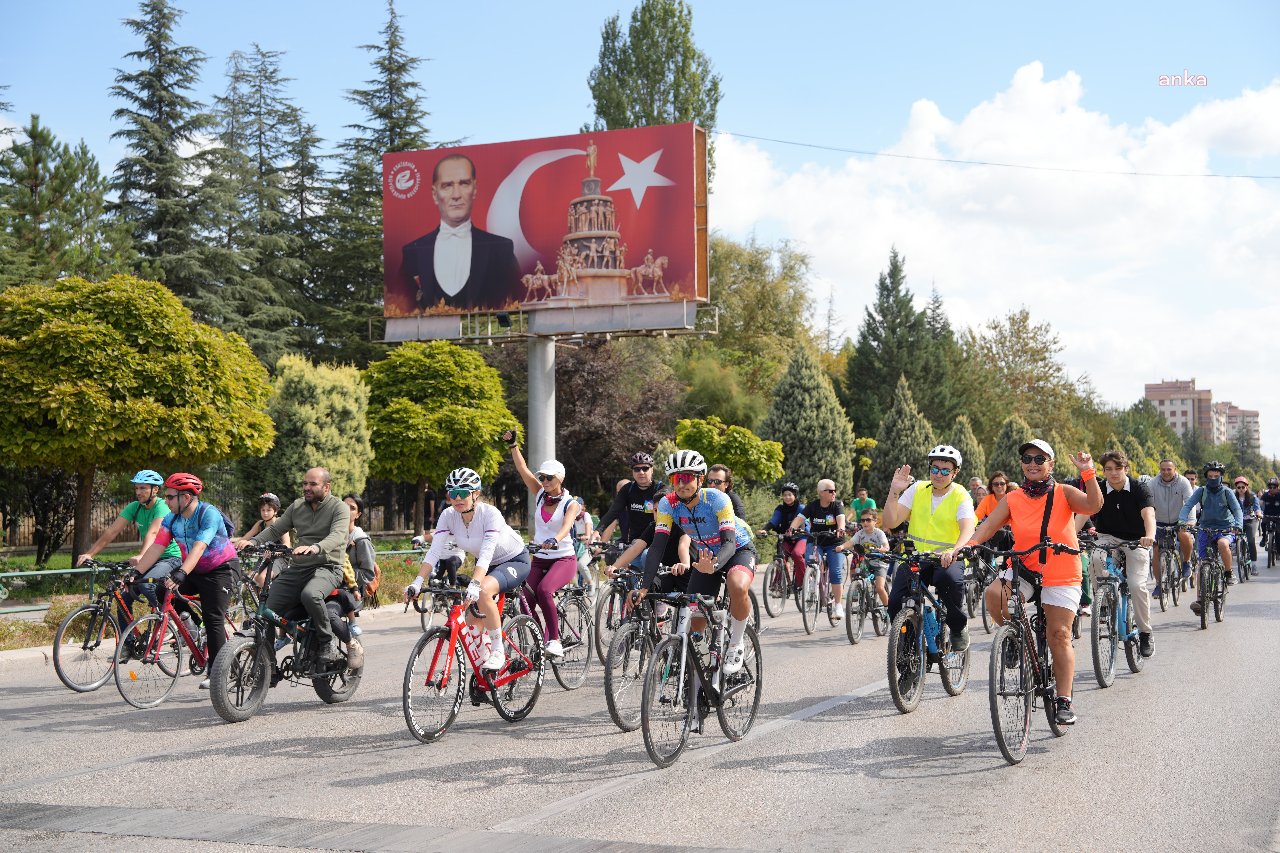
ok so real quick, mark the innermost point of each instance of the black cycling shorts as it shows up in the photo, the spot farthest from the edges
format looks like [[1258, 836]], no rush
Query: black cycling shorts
[[703, 584]]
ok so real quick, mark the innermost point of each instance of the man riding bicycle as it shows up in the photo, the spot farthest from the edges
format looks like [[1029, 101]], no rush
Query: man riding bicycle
[[1220, 514]]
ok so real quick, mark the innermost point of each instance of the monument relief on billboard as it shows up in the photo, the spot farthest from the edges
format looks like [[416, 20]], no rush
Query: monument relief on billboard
[[598, 219]]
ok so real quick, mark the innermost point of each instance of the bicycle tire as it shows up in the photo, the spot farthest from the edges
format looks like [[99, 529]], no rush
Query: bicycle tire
[[430, 702], [336, 687], [855, 610], [574, 617], [906, 660], [665, 709], [953, 667], [239, 678], [522, 639], [807, 599], [1009, 693], [1169, 568], [1202, 590], [971, 597], [879, 613], [629, 653], [84, 648], [147, 680], [826, 599], [740, 692], [988, 624], [1132, 652], [1102, 636], [1219, 596], [775, 588], [755, 608], [608, 619], [426, 607]]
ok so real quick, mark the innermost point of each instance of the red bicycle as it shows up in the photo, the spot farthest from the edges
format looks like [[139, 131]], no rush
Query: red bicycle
[[435, 676], [147, 668]]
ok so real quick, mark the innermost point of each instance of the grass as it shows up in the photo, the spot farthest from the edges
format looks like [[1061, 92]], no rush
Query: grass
[[23, 634]]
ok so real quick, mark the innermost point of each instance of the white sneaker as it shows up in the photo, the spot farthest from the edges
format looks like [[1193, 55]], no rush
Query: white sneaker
[[839, 610], [554, 649], [496, 660], [734, 660], [204, 685]]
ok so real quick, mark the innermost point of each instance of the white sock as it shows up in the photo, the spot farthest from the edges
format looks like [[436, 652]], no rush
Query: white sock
[[736, 627], [495, 638]]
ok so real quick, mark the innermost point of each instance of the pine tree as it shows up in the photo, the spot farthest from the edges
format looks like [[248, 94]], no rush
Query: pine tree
[[156, 184], [963, 439], [1003, 455], [940, 360], [905, 438], [817, 439]]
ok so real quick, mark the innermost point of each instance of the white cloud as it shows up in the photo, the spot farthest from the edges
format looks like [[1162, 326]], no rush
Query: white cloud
[[1111, 259]]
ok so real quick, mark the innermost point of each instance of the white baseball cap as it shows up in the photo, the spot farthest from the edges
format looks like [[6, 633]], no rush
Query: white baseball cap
[[552, 468], [1039, 444]]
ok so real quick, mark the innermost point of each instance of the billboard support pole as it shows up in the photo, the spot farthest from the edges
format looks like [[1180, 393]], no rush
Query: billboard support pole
[[542, 405]]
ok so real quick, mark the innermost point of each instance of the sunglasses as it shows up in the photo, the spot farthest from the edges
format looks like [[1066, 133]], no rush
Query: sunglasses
[[1038, 459], [829, 491], [868, 520], [715, 482], [546, 478], [999, 484], [459, 494], [935, 471], [684, 478], [640, 469]]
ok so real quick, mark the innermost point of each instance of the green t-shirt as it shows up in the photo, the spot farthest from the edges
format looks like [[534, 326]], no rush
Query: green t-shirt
[[141, 516], [860, 505]]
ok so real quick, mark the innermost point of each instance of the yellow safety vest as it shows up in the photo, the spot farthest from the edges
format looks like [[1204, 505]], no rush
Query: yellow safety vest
[[939, 525]]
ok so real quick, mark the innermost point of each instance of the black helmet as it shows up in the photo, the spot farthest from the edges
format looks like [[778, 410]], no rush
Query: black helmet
[[790, 487], [641, 459], [1215, 465]]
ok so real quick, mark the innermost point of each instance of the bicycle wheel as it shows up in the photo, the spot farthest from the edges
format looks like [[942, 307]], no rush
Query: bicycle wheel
[[1169, 568], [988, 624], [1219, 595], [1203, 592], [244, 603], [339, 686], [522, 639], [740, 692], [1009, 692], [879, 612], [906, 660], [1163, 597], [755, 608], [971, 597], [1131, 651], [146, 677], [575, 635], [665, 708], [240, 677], [807, 599], [426, 607], [608, 617], [84, 648], [624, 674], [775, 587], [954, 668], [1103, 638], [433, 686], [855, 611]]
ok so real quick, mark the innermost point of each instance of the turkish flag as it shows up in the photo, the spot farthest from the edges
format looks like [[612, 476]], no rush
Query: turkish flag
[[581, 213]]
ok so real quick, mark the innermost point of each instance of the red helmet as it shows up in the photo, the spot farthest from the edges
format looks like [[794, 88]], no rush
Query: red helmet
[[184, 483]]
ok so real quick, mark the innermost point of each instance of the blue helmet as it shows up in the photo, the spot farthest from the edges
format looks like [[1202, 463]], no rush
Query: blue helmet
[[147, 477]]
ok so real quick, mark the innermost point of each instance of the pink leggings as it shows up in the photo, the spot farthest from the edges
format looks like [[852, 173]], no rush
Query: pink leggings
[[795, 551], [545, 578]]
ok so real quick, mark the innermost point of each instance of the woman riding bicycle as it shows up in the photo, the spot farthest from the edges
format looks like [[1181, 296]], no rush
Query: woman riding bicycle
[[502, 563]]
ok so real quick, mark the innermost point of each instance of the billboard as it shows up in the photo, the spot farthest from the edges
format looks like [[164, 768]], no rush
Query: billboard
[[584, 222]]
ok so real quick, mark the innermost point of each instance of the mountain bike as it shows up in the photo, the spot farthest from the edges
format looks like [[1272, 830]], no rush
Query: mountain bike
[[1021, 670], [246, 667], [1170, 582], [919, 637], [1240, 555], [84, 646], [1211, 579], [1113, 620], [629, 652], [683, 682], [860, 599], [435, 677], [147, 669], [1270, 532]]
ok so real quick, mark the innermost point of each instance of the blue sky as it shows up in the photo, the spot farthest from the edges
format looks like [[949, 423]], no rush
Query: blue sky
[[1073, 86]]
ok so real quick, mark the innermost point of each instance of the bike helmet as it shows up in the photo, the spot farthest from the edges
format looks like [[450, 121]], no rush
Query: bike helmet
[[184, 483], [790, 487], [641, 459], [462, 478], [946, 451], [1215, 465], [147, 477], [1273, 482], [686, 461], [269, 498]]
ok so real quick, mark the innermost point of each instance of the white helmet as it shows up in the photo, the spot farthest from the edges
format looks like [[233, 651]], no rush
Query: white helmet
[[462, 478], [946, 451], [686, 461]]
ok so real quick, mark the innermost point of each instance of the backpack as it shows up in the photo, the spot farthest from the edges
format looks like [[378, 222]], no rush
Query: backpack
[[364, 581], [228, 526]]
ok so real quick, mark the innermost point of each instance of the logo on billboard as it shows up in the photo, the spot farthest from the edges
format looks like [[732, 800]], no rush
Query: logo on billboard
[[404, 180]]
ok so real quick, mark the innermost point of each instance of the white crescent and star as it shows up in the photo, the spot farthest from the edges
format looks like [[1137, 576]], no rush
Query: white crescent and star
[[638, 176]]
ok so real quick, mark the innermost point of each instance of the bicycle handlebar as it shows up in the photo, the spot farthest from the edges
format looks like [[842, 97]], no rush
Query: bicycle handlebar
[[1044, 545]]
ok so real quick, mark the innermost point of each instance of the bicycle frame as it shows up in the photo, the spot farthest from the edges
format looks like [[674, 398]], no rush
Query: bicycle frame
[[1117, 576], [515, 667], [170, 615], [706, 678]]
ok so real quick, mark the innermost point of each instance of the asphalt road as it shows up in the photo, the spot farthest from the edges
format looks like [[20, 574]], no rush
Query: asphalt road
[[1179, 757]]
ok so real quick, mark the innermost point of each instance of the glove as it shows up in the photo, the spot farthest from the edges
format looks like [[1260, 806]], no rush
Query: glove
[[130, 578], [473, 591], [419, 542], [178, 576], [414, 588]]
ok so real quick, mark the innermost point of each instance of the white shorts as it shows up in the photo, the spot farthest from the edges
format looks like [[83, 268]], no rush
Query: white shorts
[[1066, 597]]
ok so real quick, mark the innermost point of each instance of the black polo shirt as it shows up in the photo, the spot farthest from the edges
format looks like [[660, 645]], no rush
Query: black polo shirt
[[1121, 513]]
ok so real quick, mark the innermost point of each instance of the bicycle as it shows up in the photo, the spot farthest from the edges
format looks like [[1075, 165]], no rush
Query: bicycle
[[611, 605], [573, 616], [919, 637], [84, 646], [1270, 532], [778, 584], [425, 604], [1021, 670], [147, 670], [434, 677], [1240, 555], [246, 667], [629, 652], [1211, 580], [814, 594], [860, 599], [1170, 570], [1113, 620], [683, 682], [982, 573]]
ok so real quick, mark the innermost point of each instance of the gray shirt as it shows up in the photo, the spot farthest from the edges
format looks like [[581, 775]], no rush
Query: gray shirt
[[1168, 498]]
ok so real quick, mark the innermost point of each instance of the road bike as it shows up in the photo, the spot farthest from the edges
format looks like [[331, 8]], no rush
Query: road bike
[[860, 598], [84, 646], [1021, 670], [436, 675], [573, 617], [246, 667], [629, 652], [683, 681], [1113, 618]]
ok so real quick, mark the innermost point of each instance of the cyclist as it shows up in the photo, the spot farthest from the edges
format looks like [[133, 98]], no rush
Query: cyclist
[[268, 511], [793, 543], [725, 554], [1251, 508], [827, 528], [209, 562], [554, 514], [147, 511], [322, 522], [632, 508], [862, 502], [1270, 500], [941, 519], [1220, 514], [1128, 513], [676, 557], [721, 478], [502, 563], [1043, 508], [874, 539], [1169, 491]]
